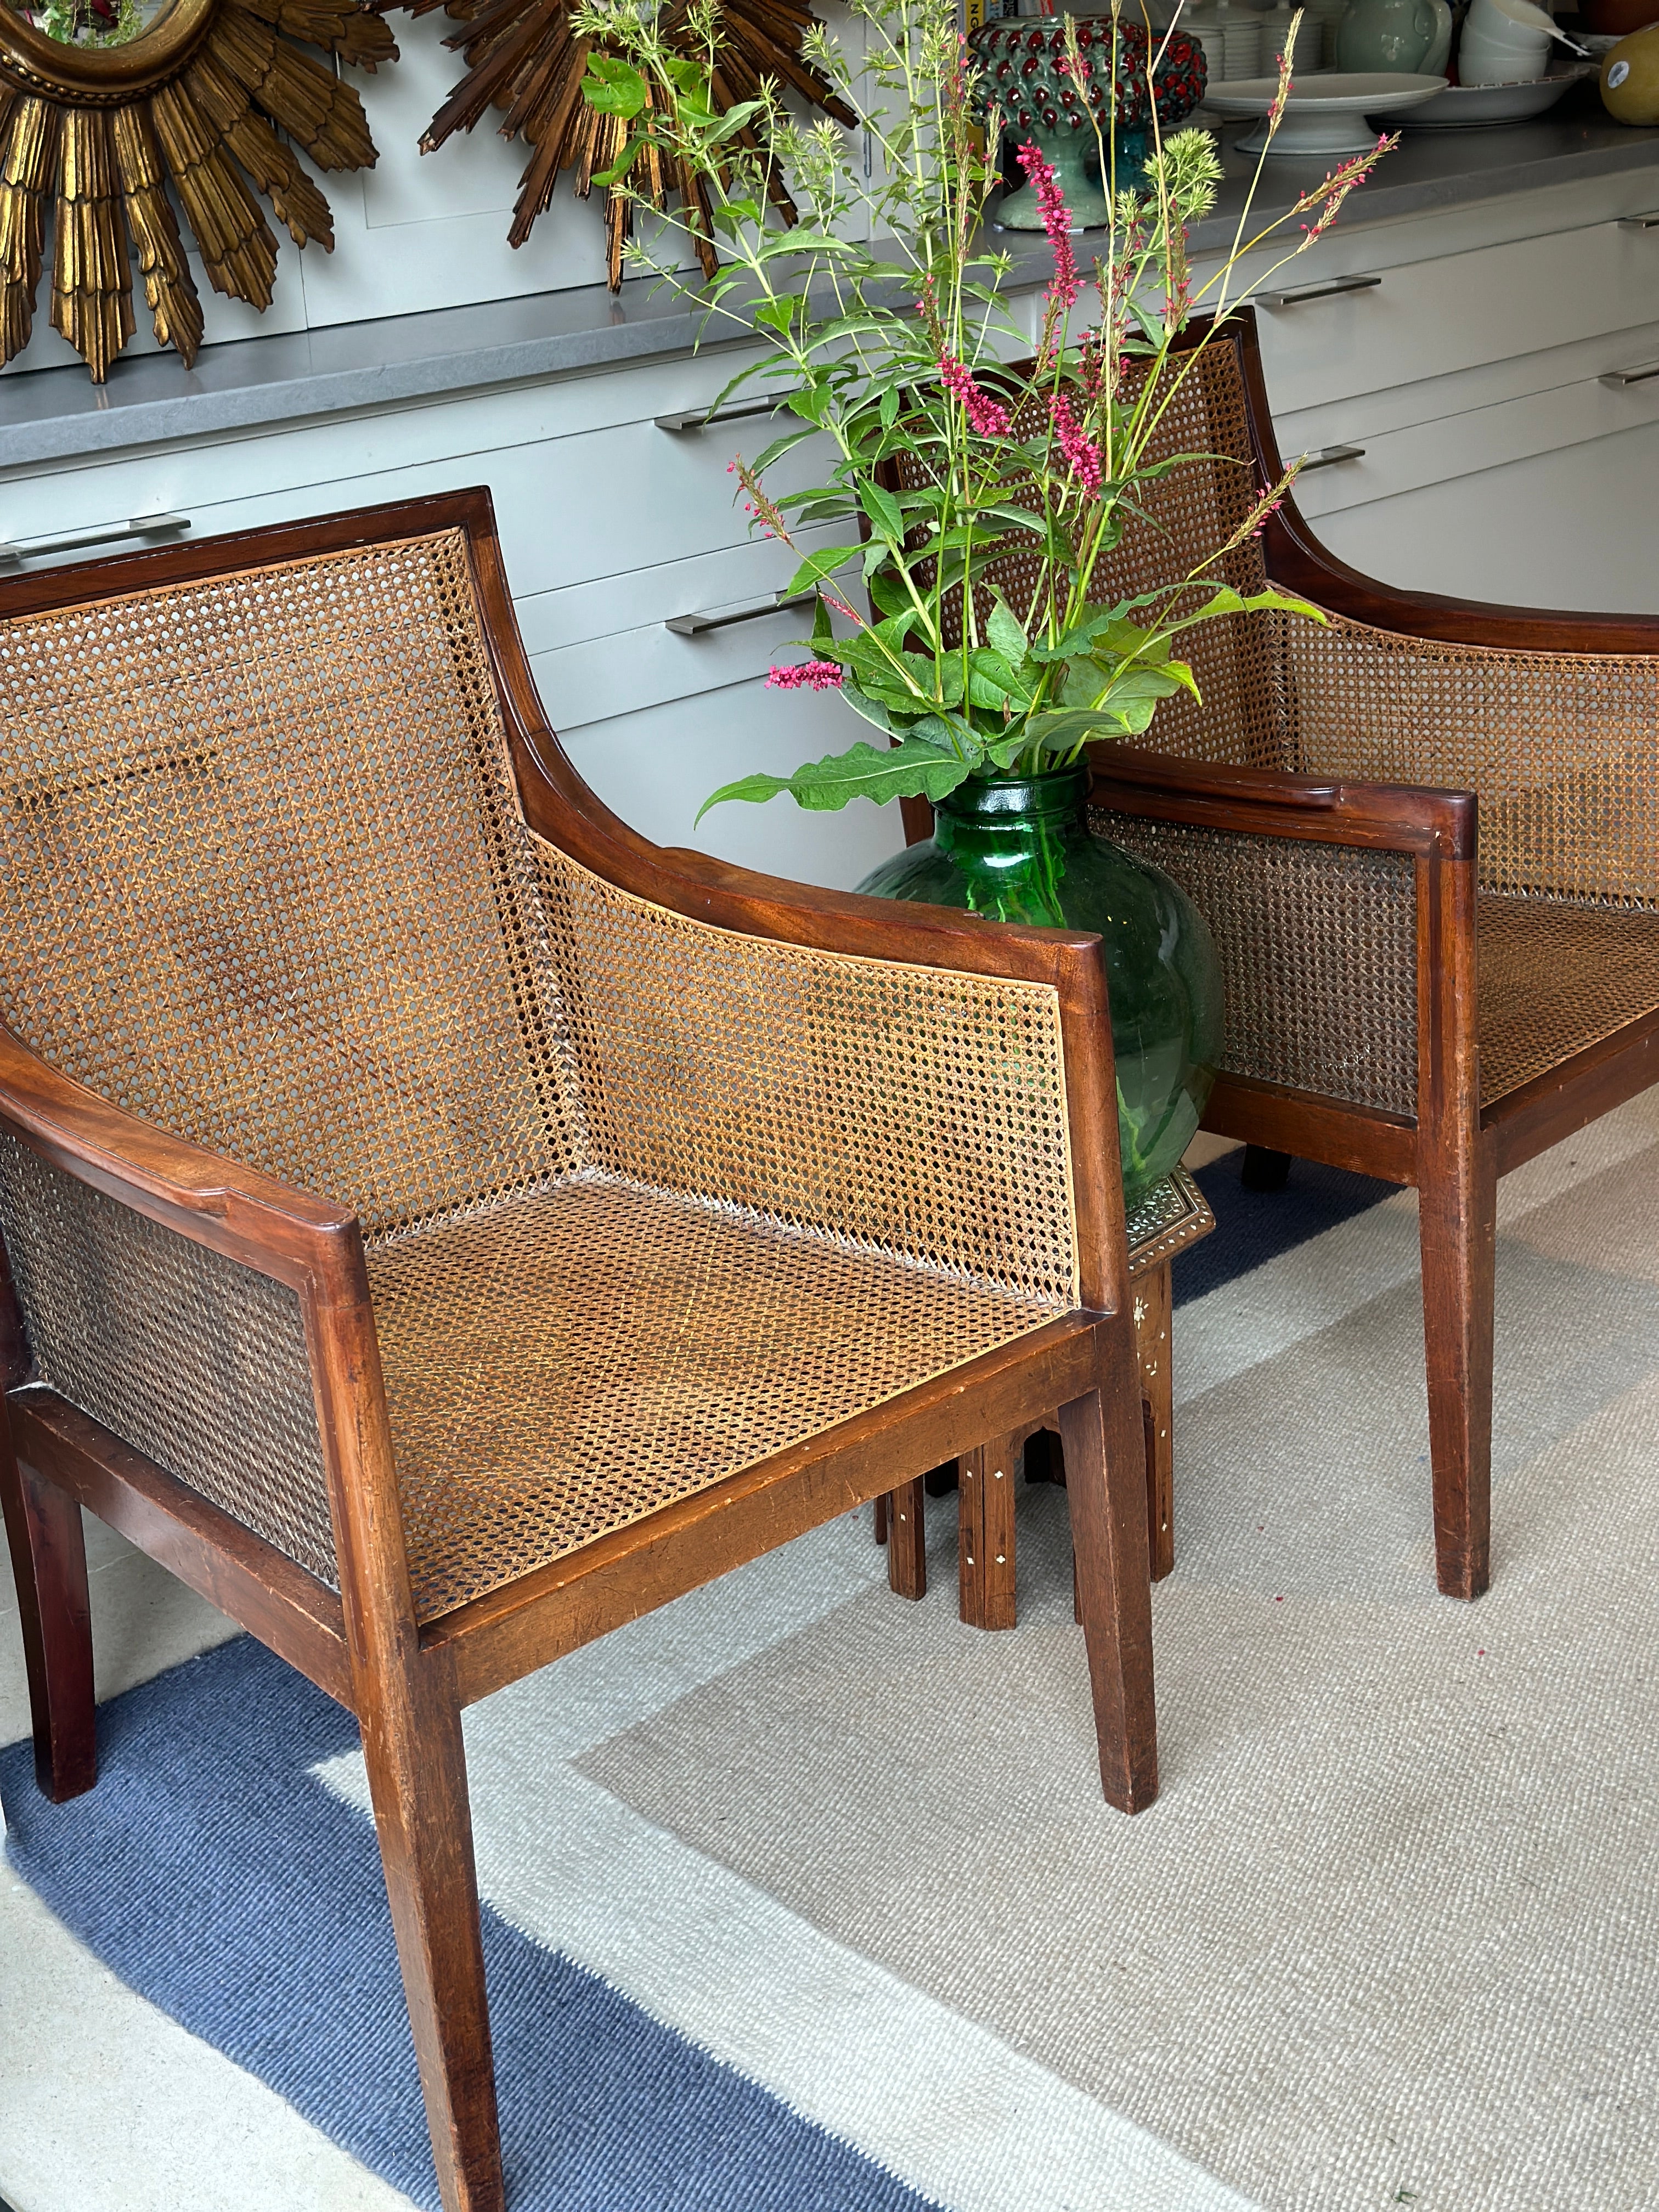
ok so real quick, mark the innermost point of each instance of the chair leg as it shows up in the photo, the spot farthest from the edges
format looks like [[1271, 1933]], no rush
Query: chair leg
[[1457, 1226], [907, 1541], [1153, 1316], [417, 1781], [1263, 1170], [1106, 1483], [986, 1523], [880, 1512], [49, 1559]]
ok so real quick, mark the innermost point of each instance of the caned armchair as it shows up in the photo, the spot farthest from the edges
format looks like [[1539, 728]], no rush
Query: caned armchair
[[1426, 836], [440, 1226]]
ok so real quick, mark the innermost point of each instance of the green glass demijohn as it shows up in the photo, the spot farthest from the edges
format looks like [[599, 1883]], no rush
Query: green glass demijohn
[[1020, 849]]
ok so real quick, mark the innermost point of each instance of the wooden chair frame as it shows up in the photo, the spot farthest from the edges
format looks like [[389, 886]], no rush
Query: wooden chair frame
[[406, 1682]]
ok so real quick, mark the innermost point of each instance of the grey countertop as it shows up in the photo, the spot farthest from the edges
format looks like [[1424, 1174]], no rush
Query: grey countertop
[[49, 414]]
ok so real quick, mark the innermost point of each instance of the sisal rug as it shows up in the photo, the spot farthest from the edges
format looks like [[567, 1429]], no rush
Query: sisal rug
[[799, 1896]]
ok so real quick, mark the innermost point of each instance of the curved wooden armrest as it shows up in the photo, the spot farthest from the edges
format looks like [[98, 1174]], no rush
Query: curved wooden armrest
[[1262, 802], [250, 1217], [1297, 562]]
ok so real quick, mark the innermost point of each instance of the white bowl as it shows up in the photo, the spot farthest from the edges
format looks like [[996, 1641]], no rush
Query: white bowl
[[1520, 60], [1479, 106], [1324, 114]]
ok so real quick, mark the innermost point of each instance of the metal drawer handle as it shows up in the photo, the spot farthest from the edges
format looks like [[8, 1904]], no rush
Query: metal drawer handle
[[68, 541], [699, 625], [699, 418], [1329, 456], [1639, 221], [1618, 378], [1304, 292]]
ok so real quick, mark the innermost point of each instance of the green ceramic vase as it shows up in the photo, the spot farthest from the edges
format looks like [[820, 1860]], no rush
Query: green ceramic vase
[[1018, 848]]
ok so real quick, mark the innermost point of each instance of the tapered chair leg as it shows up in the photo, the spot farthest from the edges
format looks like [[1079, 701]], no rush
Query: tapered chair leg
[[417, 1781], [1153, 1313], [986, 1529], [907, 1541], [1106, 1484], [1457, 1226], [49, 1558]]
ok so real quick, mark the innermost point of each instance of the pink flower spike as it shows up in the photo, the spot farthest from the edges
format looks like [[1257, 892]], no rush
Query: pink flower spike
[[1082, 459], [809, 676], [1056, 221], [985, 416]]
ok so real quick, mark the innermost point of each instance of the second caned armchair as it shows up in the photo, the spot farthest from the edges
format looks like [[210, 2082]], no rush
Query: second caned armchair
[[1426, 834]]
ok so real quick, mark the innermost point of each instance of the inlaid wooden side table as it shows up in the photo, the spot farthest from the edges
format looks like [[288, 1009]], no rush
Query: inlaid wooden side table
[[1172, 1217]]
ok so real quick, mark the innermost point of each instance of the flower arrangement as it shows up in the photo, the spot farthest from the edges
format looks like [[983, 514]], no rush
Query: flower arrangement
[[889, 330]]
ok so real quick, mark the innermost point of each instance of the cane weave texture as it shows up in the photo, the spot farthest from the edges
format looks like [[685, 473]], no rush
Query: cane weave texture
[[1560, 748], [645, 1201], [919, 1112], [1318, 946], [198, 1362], [264, 882], [1556, 977], [565, 1363]]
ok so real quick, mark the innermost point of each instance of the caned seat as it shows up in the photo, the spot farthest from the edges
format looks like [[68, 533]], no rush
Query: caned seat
[[561, 1364], [441, 1226], [1556, 977]]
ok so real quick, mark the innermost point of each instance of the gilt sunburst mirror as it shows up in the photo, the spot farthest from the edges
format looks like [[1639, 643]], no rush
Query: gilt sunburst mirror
[[102, 106]]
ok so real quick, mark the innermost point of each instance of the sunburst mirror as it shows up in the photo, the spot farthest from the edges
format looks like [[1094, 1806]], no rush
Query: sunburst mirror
[[523, 59], [104, 103]]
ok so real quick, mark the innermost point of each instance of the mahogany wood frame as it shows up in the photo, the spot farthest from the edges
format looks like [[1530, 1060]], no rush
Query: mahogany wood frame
[[407, 1683], [1452, 1150]]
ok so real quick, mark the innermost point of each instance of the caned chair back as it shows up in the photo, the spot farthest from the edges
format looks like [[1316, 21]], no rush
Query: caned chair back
[[264, 880]]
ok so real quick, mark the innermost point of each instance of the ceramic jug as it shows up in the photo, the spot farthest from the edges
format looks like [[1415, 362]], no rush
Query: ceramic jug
[[1410, 36]]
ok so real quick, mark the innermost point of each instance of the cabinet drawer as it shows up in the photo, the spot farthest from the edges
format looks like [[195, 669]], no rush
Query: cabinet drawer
[[1470, 444], [1570, 527], [576, 498], [1433, 318]]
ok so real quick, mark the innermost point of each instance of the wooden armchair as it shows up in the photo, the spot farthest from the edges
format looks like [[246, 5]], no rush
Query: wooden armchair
[[441, 1225], [1426, 836]]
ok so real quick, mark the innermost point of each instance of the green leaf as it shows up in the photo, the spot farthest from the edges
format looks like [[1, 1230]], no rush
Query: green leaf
[[1226, 601], [912, 769], [779, 314], [888, 408], [884, 511], [993, 682], [817, 566], [780, 446], [813, 400], [1005, 630], [1100, 684], [1064, 728], [624, 162], [613, 86], [823, 633]]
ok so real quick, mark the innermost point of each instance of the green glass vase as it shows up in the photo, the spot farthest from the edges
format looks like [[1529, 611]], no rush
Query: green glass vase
[[1018, 848]]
